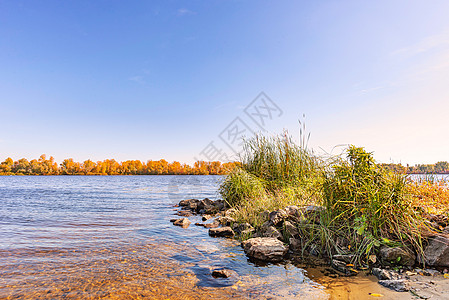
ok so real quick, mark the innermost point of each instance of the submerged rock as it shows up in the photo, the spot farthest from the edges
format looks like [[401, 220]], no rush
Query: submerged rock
[[399, 285], [221, 232], [265, 249], [437, 252], [183, 222], [397, 256], [224, 273]]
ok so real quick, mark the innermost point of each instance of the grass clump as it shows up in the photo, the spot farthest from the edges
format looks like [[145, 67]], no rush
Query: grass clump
[[364, 205]]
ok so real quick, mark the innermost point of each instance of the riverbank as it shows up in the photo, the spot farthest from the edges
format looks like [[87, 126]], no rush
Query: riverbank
[[386, 277]]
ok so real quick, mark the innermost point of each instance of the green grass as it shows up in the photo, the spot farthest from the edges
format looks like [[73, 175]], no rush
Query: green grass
[[365, 205]]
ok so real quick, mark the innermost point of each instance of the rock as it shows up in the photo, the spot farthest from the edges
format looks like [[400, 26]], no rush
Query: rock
[[339, 266], [206, 217], [290, 229], [243, 228], [399, 285], [226, 221], [229, 212], [294, 244], [193, 206], [383, 274], [347, 258], [172, 220], [205, 202], [223, 273], [432, 272], [396, 256], [200, 224], [221, 232], [184, 213], [265, 249], [277, 217], [267, 230], [188, 201], [220, 205], [212, 225], [183, 222], [210, 209], [293, 212], [437, 252]]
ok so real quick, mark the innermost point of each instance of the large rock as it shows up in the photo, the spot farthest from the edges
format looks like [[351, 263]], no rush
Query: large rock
[[183, 222], [264, 248], [397, 256], [221, 232], [278, 216], [399, 285], [437, 252]]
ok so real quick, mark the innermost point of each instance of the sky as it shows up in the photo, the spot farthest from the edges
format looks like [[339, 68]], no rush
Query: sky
[[170, 79]]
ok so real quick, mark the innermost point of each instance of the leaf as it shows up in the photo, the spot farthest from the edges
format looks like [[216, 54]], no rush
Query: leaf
[[376, 295], [446, 275]]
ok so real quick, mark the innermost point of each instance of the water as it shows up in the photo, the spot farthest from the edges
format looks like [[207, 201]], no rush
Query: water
[[110, 237]]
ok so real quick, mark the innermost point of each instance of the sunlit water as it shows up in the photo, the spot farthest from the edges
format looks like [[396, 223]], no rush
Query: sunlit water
[[110, 237]]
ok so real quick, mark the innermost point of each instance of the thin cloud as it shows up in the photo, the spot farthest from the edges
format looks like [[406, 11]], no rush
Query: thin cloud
[[184, 12], [427, 44], [138, 79]]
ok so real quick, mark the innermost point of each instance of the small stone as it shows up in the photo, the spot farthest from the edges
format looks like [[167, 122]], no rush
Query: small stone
[[184, 213], [277, 217], [212, 225], [290, 229], [188, 201], [206, 217], [347, 258], [383, 274], [399, 285], [183, 222], [221, 232], [172, 220], [223, 273], [226, 221], [267, 230]]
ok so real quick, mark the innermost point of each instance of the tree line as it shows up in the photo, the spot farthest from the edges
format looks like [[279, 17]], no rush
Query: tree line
[[441, 167], [44, 166]]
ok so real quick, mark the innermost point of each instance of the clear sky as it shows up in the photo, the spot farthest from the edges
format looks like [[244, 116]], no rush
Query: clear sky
[[162, 79]]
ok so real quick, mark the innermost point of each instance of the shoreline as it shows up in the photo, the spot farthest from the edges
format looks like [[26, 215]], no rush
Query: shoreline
[[342, 280]]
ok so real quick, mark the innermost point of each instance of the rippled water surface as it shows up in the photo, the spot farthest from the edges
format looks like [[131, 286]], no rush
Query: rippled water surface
[[110, 237]]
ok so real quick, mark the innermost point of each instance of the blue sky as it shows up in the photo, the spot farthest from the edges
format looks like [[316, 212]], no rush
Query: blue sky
[[162, 79]]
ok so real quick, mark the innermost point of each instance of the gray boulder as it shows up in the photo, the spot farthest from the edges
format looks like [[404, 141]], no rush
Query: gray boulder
[[437, 252], [265, 249]]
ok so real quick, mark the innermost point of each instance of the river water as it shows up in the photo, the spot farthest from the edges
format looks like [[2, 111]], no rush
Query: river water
[[94, 237]]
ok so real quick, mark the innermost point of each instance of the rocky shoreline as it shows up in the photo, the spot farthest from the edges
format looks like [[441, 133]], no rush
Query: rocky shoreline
[[278, 239]]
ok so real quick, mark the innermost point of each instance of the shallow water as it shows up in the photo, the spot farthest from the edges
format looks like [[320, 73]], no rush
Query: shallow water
[[110, 237]]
